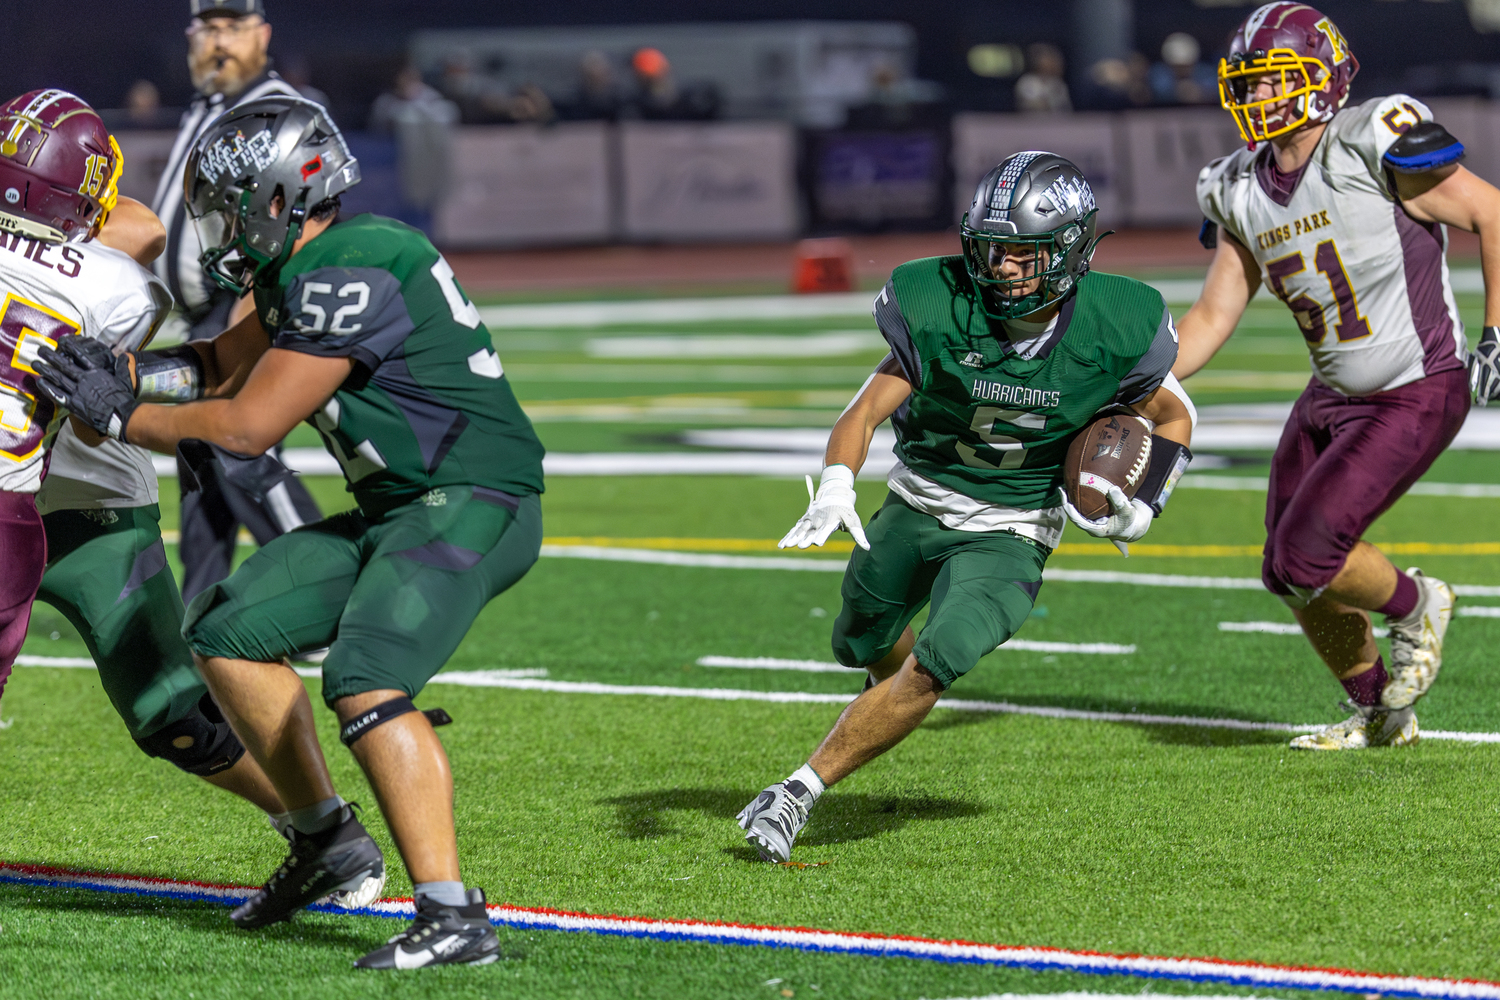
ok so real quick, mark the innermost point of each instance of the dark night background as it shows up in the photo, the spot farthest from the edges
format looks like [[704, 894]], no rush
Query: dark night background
[[352, 47]]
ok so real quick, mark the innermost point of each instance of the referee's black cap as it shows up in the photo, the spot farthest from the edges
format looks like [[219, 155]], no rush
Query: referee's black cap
[[227, 8]]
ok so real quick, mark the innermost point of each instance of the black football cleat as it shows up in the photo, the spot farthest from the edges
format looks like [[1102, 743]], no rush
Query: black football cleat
[[343, 856], [441, 935]]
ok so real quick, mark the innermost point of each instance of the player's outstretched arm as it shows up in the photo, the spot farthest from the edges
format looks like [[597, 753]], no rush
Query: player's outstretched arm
[[831, 506], [1232, 280], [134, 229], [283, 389], [1456, 197]]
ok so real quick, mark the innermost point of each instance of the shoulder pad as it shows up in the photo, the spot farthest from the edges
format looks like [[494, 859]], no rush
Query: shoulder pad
[[1423, 147]]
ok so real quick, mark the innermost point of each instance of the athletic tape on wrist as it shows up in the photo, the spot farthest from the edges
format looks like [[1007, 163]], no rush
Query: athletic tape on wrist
[[385, 712], [1169, 460], [170, 375]]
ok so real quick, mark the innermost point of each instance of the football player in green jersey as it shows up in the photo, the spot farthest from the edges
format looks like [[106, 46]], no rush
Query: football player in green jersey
[[359, 328], [999, 356]]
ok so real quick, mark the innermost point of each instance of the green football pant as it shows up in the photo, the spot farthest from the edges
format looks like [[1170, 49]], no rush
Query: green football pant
[[107, 573], [981, 586], [391, 597]]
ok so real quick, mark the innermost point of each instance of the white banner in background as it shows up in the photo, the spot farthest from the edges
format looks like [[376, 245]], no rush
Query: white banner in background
[[146, 154], [980, 141], [696, 181], [1165, 149], [524, 185]]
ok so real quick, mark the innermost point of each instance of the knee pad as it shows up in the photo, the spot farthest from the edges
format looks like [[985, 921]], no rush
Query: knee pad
[[201, 744]]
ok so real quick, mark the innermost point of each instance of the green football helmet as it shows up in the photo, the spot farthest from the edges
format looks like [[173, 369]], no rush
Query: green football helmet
[[264, 149], [1034, 198]]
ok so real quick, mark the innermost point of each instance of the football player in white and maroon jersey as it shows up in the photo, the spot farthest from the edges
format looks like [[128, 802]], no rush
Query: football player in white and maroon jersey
[[1341, 212], [91, 521]]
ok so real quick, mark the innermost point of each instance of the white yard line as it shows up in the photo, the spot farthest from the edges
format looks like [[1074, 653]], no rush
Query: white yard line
[[815, 565], [1281, 628], [823, 667], [772, 663], [494, 679], [70, 662], [823, 344], [770, 307], [554, 315]]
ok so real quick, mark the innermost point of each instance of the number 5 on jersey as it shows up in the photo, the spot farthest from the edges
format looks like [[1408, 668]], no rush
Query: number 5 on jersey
[[24, 327]]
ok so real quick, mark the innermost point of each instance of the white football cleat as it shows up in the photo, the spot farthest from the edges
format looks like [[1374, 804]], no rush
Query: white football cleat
[[1417, 642], [772, 822], [1369, 726]]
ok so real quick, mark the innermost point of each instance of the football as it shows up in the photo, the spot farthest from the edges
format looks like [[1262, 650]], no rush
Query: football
[[1115, 448]]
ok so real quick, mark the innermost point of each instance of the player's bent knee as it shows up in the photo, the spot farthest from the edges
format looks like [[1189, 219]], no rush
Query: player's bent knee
[[198, 744]]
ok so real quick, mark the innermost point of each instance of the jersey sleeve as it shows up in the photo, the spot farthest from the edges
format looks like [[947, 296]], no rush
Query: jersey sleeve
[[897, 334], [129, 319], [1212, 191], [1371, 128], [1154, 366], [344, 312]]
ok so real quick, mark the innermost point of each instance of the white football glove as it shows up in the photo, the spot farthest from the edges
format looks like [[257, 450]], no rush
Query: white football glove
[[1127, 522], [828, 510]]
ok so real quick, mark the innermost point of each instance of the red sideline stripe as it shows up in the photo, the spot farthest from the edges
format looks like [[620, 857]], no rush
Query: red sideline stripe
[[813, 939]]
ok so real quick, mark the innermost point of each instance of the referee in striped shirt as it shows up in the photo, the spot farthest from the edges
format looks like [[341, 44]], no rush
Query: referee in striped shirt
[[227, 42]]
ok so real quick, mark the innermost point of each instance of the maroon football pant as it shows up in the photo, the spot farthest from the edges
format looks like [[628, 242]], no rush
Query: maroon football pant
[[23, 557], [1342, 462]]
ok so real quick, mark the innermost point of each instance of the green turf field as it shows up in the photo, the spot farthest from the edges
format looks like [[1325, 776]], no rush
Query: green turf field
[[1165, 839]]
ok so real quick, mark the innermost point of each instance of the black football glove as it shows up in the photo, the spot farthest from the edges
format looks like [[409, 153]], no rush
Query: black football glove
[[84, 377], [1484, 367]]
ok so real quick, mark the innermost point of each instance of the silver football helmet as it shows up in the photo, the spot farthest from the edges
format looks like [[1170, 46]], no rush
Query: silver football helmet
[[1033, 198], [275, 147]]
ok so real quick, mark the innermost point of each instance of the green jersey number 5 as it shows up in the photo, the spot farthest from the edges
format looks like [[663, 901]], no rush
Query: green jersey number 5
[[985, 418]]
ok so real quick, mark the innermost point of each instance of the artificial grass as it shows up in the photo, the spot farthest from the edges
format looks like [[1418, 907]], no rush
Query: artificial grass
[[172, 950], [1161, 839]]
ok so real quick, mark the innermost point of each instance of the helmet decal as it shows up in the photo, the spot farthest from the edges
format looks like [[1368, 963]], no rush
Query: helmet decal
[[1071, 194], [233, 154], [1005, 187], [1335, 38]]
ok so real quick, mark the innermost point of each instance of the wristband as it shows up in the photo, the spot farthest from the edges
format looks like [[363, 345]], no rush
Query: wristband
[[840, 474], [171, 375], [1169, 460]]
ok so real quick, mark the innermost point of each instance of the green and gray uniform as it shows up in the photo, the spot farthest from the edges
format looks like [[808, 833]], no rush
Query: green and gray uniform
[[974, 508], [443, 463]]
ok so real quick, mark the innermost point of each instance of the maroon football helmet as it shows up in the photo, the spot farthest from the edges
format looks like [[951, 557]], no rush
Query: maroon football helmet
[[59, 167], [1301, 47]]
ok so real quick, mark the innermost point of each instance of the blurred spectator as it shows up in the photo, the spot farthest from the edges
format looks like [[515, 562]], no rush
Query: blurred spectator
[[1042, 87], [1180, 78], [411, 100], [481, 101], [529, 103], [598, 95], [1121, 83], [296, 70], [658, 95], [896, 101], [143, 104]]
